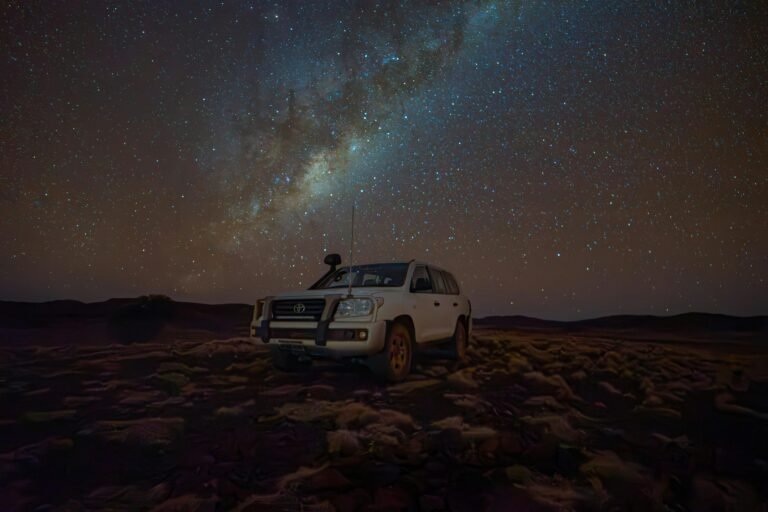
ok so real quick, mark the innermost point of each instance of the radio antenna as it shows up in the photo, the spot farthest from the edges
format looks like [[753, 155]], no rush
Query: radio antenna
[[351, 248]]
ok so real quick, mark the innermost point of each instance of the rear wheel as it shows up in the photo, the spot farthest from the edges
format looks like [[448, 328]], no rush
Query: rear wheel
[[285, 361], [460, 342], [394, 362]]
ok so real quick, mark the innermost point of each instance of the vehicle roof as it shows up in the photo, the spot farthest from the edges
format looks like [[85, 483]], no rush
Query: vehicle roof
[[417, 262]]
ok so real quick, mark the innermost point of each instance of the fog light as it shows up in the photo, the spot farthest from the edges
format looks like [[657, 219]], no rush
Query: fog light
[[362, 334]]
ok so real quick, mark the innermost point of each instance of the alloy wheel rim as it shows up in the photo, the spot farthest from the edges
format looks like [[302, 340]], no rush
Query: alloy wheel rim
[[398, 353]]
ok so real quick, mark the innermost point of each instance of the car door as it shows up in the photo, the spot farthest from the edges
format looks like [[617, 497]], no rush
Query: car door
[[444, 313], [426, 317]]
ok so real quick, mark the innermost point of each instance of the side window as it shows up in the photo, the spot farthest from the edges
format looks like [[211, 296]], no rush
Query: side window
[[437, 280], [446, 282], [452, 285], [421, 283]]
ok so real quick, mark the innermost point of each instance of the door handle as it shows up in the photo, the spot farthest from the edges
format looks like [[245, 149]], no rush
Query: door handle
[[455, 304], [437, 303]]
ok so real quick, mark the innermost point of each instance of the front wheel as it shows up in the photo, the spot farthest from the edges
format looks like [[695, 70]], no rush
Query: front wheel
[[394, 362], [460, 342]]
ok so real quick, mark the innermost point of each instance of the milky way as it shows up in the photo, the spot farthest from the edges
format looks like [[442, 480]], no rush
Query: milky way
[[563, 159]]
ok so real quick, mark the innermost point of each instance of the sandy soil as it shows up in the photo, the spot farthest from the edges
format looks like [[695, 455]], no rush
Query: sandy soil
[[533, 421]]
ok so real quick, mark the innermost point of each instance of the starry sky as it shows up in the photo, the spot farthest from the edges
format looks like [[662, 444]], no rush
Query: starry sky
[[563, 159]]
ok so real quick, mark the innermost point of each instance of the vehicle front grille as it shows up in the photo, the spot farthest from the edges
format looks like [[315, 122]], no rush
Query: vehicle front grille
[[298, 309]]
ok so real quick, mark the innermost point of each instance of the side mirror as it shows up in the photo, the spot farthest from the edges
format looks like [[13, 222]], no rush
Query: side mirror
[[333, 260]]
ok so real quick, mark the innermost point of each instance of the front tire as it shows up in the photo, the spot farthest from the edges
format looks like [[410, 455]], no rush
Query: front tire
[[394, 362], [460, 342]]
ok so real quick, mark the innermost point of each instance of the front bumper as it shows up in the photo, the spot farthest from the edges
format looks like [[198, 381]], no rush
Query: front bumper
[[322, 339]]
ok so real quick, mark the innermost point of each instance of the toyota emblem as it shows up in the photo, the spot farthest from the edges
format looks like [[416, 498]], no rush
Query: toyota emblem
[[299, 308]]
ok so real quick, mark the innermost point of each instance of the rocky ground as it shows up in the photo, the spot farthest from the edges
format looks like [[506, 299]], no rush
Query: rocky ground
[[533, 421]]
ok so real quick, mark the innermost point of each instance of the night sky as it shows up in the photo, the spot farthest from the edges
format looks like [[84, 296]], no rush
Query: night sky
[[563, 159]]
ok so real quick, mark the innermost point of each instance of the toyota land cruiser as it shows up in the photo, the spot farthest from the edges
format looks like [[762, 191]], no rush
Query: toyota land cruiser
[[379, 313]]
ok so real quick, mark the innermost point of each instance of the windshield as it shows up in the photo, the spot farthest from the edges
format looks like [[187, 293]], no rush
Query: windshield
[[382, 274]]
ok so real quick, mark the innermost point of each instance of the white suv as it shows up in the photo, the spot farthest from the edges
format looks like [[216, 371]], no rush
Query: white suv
[[378, 312]]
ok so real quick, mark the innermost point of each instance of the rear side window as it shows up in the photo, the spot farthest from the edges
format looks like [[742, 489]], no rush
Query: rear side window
[[437, 281], [421, 283], [453, 287]]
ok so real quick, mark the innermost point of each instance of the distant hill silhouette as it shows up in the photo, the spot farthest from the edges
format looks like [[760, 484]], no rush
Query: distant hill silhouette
[[683, 323], [159, 318], [147, 318]]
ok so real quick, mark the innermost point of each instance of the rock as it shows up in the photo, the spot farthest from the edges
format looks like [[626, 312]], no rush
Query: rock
[[407, 387], [468, 432], [609, 467], [47, 416], [555, 425], [555, 385], [609, 388], [75, 401], [187, 503], [656, 413], [287, 483], [472, 402], [397, 419], [454, 422], [463, 379], [478, 433], [518, 474], [326, 479], [712, 495], [383, 435], [41, 391], [171, 382], [307, 412], [436, 371], [545, 401], [517, 364], [283, 391], [343, 442], [320, 391], [556, 495], [229, 411], [175, 367], [579, 375], [133, 397], [355, 414], [143, 432]]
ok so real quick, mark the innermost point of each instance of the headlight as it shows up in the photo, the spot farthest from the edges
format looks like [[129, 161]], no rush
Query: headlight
[[354, 307]]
